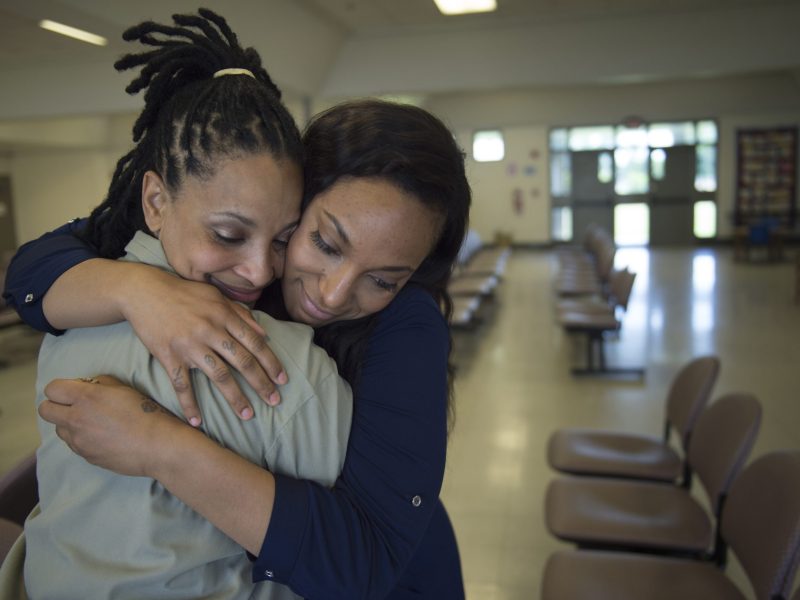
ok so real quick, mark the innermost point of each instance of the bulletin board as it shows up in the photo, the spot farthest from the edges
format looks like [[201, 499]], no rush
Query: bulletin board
[[766, 175]]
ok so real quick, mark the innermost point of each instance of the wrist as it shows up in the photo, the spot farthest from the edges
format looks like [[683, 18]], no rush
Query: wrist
[[161, 450]]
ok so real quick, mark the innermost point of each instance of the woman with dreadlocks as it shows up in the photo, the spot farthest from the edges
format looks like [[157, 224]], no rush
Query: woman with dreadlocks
[[211, 193], [387, 204]]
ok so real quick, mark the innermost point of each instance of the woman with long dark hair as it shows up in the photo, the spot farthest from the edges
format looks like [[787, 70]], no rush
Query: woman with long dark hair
[[386, 207]]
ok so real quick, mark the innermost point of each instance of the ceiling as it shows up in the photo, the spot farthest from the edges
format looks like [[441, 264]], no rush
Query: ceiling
[[354, 47]]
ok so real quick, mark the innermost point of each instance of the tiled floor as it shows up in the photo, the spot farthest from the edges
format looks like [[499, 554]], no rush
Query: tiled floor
[[514, 388]]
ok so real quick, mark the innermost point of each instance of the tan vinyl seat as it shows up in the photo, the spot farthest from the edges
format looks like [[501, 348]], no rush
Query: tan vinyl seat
[[761, 524], [620, 285], [588, 279], [629, 455], [595, 325], [596, 512]]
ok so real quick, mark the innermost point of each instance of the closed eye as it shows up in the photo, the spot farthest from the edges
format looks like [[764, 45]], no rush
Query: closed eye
[[316, 238], [228, 240], [383, 284]]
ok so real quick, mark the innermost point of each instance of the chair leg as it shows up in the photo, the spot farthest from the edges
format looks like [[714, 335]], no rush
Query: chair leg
[[595, 345]]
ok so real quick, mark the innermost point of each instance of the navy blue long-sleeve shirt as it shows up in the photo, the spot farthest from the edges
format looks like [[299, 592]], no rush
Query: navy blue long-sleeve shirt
[[381, 531]]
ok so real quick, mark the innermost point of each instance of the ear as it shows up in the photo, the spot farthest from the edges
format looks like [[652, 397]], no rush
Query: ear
[[155, 200]]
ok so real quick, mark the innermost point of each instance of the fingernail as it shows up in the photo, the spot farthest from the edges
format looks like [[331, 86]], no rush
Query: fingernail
[[194, 421], [283, 377], [246, 413], [274, 398]]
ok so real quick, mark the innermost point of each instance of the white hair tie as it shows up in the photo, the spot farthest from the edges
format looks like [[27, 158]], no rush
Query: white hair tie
[[234, 71]]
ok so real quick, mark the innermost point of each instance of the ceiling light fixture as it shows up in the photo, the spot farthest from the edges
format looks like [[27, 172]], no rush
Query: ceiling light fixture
[[78, 34], [462, 7]]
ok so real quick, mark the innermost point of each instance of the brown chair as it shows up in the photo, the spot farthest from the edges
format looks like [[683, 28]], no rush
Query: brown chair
[[595, 325], [18, 495], [602, 513], [634, 456], [620, 284], [588, 280], [761, 523]]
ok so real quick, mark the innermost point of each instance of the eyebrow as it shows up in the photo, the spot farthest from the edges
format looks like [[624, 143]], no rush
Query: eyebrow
[[250, 223], [234, 215], [343, 234], [339, 228]]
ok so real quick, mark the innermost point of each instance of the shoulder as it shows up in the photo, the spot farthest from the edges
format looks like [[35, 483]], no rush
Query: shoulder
[[412, 325], [293, 344], [412, 307]]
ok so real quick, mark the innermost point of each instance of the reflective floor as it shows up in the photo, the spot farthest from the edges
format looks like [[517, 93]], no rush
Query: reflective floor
[[513, 388]]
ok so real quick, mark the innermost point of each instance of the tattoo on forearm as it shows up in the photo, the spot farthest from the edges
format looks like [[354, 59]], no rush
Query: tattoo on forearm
[[150, 406], [210, 360]]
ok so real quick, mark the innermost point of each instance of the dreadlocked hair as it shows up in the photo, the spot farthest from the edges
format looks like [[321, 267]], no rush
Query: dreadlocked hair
[[191, 119]]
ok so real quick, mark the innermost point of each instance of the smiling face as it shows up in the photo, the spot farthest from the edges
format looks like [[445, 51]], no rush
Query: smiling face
[[229, 230], [357, 245]]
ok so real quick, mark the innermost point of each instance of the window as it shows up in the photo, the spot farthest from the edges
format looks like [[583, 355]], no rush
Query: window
[[560, 174], [707, 132], [605, 167], [488, 146], [658, 164], [705, 219], [562, 223], [632, 224], [631, 169], [559, 140], [630, 156], [591, 138], [705, 175], [664, 135]]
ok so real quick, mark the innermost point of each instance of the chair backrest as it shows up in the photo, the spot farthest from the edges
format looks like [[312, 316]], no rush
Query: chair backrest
[[19, 491], [721, 442], [689, 393], [761, 523], [620, 284], [604, 260]]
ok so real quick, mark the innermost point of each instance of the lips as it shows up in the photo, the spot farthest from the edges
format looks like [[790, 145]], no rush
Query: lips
[[311, 309], [247, 296]]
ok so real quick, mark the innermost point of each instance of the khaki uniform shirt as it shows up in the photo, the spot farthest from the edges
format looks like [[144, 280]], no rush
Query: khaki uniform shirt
[[103, 535]]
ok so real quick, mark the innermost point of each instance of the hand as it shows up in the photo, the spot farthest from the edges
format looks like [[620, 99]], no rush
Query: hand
[[186, 324], [109, 424]]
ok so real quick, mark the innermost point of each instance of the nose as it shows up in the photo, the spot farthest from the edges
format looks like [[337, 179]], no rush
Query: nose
[[258, 269], [336, 287]]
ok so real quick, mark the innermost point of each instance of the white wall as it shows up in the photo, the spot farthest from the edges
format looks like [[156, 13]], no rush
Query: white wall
[[511, 196], [51, 187], [525, 116]]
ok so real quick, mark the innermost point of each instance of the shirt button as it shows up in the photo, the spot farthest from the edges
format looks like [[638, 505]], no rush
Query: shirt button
[[269, 573], [416, 501], [28, 298]]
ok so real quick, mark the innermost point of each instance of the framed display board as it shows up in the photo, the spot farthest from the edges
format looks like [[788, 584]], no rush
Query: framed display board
[[766, 187]]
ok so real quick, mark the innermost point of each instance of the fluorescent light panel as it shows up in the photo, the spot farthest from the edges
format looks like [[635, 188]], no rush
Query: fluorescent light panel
[[462, 7], [73, 32]]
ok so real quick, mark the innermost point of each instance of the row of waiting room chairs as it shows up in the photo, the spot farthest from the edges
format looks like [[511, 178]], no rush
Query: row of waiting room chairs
[[626, 501], [478, 272], [592, 296]]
